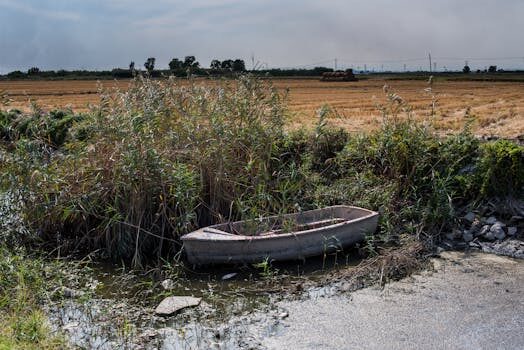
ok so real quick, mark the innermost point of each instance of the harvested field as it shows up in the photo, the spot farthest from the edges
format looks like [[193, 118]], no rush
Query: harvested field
[[498, 107]]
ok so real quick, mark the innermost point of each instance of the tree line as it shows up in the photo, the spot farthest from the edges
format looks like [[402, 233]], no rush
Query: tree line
[[180, 67]]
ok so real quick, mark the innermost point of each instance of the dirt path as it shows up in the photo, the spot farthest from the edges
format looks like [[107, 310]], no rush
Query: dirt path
[[469, 302]]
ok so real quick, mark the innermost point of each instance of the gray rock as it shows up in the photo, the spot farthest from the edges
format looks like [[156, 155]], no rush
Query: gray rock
[[500, 223], [498, 231], [467, 236], [168, 284], [489, 236], [475, 245], [509, 247], [171, 305], [455, 234], [485, 232], [470, 217], [72, 293], [491, 220], [148, 334], [512, 231], [450, 236]]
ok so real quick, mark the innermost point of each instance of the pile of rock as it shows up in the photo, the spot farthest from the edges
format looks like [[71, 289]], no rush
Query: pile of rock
[[489, 234], [509, 247], [489, 229]]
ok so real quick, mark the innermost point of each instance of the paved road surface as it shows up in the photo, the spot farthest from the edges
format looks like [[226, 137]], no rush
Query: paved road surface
[[469, 302]]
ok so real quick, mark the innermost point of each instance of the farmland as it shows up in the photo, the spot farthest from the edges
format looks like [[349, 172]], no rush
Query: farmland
[[496, 108]]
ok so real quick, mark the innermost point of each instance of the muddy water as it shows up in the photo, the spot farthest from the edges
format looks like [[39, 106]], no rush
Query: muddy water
[[237, 309]]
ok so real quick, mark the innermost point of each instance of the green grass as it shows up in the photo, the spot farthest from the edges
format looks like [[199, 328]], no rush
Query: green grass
[[24, 286]]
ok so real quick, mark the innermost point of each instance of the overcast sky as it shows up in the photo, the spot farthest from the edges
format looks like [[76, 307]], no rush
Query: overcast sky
[[102, 34]]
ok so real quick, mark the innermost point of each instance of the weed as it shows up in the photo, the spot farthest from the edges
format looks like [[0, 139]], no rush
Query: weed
[[23, 288], [266, 271]]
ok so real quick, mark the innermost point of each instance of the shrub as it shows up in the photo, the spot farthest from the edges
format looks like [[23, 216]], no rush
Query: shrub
[[50, 128], [501, 169], [157, 161]]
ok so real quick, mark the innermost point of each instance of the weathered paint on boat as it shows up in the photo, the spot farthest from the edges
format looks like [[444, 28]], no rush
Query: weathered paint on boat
[[340, 226]]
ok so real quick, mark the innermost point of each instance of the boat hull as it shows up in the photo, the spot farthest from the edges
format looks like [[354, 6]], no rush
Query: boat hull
[[215, 245]]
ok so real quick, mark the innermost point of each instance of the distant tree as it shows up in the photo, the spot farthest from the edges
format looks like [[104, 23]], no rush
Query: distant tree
[[122, 73], [149, 65], [15, 74], [466, 69], [227, 64], [492, 69], [239, 65], [191, 62], [33, 71], [175, 64], [215, 64], [132, 66]]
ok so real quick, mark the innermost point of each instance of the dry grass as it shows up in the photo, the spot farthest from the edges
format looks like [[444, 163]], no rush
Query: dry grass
[[498, 107]]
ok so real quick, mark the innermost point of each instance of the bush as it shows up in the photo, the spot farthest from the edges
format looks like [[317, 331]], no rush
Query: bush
[[50, 128], [155, 162], [501, 169]]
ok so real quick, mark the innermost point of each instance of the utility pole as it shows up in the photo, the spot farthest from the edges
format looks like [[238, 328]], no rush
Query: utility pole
[[335, 64], [404, 68], [430, 69], [434, 66]]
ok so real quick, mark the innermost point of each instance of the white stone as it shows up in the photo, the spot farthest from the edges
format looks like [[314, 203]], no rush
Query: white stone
[[283, 315], [171, 305], [229, 276], [512, 231], [71, 326], [167, 284]]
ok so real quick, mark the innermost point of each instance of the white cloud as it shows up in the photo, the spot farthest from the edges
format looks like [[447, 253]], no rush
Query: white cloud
[[33, 10], [281, 33]]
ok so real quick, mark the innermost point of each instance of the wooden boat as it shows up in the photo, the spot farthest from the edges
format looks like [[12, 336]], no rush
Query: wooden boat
[[284, 237]]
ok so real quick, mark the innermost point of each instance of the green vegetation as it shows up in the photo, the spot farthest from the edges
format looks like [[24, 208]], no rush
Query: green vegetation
[[501, 169], [24, 286], [160, 160]]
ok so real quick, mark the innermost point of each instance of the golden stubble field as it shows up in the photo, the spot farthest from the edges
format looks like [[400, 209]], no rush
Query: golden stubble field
[[497, 107]]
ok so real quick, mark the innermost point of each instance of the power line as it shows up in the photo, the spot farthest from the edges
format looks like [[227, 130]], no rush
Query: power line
[[350, 62]]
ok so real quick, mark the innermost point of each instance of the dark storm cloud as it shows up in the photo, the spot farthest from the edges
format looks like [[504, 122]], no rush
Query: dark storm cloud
[[105, 34]]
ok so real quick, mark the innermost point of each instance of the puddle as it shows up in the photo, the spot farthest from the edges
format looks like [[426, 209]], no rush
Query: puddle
[[233, 314]]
